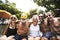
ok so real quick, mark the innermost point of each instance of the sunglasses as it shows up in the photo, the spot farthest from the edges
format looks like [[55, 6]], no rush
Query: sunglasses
[[49, 15], [40, 16], [13, 18]]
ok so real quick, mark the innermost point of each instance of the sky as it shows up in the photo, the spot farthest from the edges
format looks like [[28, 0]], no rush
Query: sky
[[26, 5]]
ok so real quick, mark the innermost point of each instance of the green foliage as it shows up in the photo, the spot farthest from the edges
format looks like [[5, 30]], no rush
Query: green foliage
[[10, 7], [32, 12], [49, 4], [40, 12], [1, 1]]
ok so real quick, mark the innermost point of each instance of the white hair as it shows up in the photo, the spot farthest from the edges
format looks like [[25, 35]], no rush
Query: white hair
[[35, 17], [13, 16]]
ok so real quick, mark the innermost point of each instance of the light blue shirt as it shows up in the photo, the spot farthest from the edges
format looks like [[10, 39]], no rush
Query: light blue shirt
[[34, 31]]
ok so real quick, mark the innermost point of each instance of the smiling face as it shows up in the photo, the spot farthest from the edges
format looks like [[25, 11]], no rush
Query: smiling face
[[41, 16], [23, 16], [49, 15], [35, 21], [23, 21], [13, 18]]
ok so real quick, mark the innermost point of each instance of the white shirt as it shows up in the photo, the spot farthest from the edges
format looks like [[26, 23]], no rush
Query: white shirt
[[34, 31]]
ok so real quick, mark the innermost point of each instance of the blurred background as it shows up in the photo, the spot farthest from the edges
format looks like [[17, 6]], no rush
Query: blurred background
[[30, 7]]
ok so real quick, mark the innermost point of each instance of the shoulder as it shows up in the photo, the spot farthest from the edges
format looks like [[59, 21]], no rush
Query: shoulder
[[31, 25], [18, 22]]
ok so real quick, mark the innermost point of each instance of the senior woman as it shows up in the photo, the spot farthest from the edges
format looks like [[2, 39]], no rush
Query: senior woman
[[34, 30]]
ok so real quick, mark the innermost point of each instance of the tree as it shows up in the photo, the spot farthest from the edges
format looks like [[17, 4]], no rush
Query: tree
[[49, 4], [1, 1], [32, 12], [10, 7]]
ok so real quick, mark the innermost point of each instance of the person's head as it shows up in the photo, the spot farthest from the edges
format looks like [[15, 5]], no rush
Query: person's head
[[41, 16], [35, 19], [23, 17], [49, 15], [13, 18]]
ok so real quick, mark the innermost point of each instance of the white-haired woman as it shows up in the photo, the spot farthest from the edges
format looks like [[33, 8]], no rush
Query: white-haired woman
[[34, 30], [11, 30]]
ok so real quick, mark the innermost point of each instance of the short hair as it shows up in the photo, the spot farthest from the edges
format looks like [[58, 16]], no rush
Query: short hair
[[41, 15]]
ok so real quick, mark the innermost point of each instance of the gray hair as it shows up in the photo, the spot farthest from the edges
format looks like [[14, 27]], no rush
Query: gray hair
[[35, 17]]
